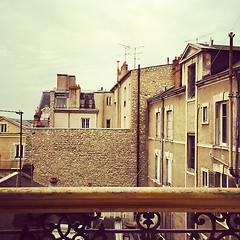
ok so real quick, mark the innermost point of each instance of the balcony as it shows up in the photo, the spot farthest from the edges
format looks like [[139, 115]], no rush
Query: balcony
[[75, 213]]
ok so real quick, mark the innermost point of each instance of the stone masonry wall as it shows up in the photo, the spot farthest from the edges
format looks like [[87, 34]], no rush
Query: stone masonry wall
[[83, 157], [152, 81]]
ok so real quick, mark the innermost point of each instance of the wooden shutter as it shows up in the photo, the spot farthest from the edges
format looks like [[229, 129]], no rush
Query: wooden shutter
[[211, 179]]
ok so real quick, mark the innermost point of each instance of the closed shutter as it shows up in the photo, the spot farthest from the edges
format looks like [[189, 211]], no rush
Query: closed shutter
[[211, 179], [231, 182], [12, 152]]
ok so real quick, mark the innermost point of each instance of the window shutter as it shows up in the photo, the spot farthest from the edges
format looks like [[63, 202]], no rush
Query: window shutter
[[12, 152], [231, 182], [211, 179]]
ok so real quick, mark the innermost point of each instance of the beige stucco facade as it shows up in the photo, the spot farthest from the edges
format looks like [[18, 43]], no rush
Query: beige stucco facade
[[189, 127], [9, 142]]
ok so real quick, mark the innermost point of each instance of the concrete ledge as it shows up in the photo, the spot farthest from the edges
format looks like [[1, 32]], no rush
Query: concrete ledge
[[60, 200]]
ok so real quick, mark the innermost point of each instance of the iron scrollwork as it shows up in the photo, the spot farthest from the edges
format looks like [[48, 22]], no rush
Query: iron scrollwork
[[231, 227], [148, 226]]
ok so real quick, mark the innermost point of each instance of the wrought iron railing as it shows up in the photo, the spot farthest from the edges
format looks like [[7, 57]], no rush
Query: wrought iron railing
[[74, 213]]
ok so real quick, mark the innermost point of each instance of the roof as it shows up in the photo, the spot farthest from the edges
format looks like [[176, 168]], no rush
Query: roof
[[45, 101], [11, 181], [170, 92], [25, 123], [217, 47]]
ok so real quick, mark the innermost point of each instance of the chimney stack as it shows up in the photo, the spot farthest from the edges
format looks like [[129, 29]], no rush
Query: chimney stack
[[177, 73], [210, 42]]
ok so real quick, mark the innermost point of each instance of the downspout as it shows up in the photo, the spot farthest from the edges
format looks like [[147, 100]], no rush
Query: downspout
[[196, 136], [162, 133], [235, 173], [138, 123], [237, 127], [231, 35]]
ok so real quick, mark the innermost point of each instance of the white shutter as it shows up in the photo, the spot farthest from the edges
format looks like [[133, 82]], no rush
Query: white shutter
[[12, 151]]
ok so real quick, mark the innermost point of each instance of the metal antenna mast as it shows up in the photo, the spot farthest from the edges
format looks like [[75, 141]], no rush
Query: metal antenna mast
[[135, 54], [125, 47]]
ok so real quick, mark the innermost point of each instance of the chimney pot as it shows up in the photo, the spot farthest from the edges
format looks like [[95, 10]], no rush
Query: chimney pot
[[53, 181]]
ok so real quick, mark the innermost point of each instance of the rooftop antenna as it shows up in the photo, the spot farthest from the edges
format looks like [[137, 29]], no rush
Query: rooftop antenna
[[135, 54], [197, 38], [125, 47]]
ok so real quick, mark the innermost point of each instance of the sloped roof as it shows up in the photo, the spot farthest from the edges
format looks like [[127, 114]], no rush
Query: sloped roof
[[25, 123], [11, 181]]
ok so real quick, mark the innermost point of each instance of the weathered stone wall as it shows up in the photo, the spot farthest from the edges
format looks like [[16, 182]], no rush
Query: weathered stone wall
[[83, 157], [152, 81]]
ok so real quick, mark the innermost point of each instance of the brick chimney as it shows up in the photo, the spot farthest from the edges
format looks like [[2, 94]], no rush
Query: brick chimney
[[74, 96], [177, 73], [62, 82], [37, 122], [124, 69], [72, 80]]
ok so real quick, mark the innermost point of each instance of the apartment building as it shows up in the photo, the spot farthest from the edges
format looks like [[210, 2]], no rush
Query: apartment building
[[189, 143]]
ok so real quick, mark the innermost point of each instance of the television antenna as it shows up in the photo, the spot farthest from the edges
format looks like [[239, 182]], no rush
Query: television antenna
[[126, 47], [135, 52], [197, 38]]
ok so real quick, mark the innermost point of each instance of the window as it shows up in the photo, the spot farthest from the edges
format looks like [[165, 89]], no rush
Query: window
[[221, 128], [3, 128], [85, 122], [191, 151], [61, 102], [90, 103], [158, 167], [205, 113], [204, 178], [158, 124], [218, 179], [169, 171], [109, 101], [82, 103], [191, 80], [169, 130], [19, 153], [124, 103], [108, 123]]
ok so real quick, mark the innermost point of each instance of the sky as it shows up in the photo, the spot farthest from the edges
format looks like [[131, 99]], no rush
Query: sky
[[86, 38]]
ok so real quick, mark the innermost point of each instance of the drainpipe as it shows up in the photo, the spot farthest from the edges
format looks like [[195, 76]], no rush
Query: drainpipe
[[231, 35], [162, 133], [138, 127], [237, 127]]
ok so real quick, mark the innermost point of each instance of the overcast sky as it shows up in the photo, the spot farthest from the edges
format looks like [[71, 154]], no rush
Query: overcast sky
[[41, 38]]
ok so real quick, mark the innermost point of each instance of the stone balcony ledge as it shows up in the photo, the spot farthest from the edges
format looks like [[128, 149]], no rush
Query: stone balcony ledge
[[112, 199]]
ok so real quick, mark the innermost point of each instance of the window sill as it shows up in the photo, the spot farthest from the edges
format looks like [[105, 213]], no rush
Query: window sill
[[190, 171], [220, 147], [191, 99]]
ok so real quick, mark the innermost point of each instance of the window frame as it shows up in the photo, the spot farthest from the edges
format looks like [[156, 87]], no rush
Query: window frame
[[19, 153], [221, 121], [191, 80], [108, 101], [3, 127], [158, 121], [205, 177], [85, 122], [169, 124], [108, 123], [158, 167], [191, 151], [205, 115]]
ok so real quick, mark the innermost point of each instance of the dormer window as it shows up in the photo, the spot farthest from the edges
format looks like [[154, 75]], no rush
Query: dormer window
[[191, 80]]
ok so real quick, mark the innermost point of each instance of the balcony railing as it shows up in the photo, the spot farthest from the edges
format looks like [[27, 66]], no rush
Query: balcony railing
[[75, 213]]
